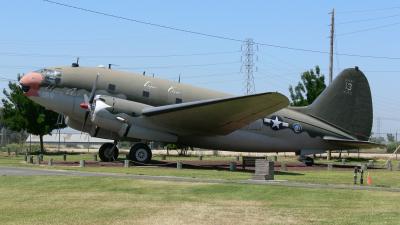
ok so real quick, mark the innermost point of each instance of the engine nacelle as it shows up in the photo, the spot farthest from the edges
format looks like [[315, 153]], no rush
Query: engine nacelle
[[123, 124], [89, 128], [150, 134], [120, 105]]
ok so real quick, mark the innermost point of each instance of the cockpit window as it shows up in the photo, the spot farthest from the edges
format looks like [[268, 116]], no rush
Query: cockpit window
[[51, 77]]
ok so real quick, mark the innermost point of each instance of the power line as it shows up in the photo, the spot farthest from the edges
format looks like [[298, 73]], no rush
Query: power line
[[368, 19], [370, 10], [283, 62], [336, 53], [142, 67], [116, 56], [389, 118], [385, 106], [277, 78], [369, 29], [210, 35], [225, 81], [368, 56], [4, 78], [209, 75], [19, 67], [142, 22], [200, 76], [180, 66], [381, 71]]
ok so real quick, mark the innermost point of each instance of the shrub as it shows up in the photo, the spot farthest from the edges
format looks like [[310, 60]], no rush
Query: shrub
[[391, 147], [20, 148]]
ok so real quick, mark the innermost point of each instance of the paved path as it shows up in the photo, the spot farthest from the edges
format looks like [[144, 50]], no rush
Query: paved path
[[20, 171]]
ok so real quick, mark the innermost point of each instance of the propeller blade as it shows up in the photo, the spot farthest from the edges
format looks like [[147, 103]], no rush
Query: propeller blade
[[93, 92], [85, 119], [89, 101]]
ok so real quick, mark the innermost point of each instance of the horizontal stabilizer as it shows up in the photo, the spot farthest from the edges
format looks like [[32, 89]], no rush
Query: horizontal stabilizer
[[215, 116], [352, 143]]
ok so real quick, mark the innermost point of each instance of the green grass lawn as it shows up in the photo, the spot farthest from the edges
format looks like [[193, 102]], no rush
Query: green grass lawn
[[379, 177], [101, 200], [358, 161]]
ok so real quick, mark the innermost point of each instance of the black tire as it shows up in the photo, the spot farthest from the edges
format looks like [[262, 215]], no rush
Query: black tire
[[140, 153], [105, 153], [309, 161]]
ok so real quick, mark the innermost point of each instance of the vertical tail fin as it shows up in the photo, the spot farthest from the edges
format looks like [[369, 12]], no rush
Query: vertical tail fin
[[346, 103]]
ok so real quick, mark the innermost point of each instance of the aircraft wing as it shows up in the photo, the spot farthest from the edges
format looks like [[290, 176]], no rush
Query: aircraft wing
[[216, 116], [352, 143]]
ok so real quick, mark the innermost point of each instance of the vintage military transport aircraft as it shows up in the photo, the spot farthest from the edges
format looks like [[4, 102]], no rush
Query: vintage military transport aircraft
[[123, 106]]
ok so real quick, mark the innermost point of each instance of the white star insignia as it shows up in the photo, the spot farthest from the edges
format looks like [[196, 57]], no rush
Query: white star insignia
[[276, 123]]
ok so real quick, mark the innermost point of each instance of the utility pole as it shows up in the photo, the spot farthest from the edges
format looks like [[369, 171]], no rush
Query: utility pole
[[248, 56], [331, 45], [331, 58]]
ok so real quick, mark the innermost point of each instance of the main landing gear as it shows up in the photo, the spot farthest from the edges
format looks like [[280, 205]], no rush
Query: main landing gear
[[306, 160], [139, 152], [108, 152]]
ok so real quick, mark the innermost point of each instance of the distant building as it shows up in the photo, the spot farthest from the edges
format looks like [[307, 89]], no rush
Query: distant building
[[68, 140]]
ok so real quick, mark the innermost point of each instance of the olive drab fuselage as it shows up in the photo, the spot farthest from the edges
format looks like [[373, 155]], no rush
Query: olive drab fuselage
[[62, 89]]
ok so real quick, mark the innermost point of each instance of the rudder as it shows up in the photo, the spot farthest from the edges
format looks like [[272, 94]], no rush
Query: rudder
[[346, 103]]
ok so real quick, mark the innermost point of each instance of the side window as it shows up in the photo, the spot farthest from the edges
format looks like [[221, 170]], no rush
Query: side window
[[174, 95], [178, 100], [146, 94], [111, 87]]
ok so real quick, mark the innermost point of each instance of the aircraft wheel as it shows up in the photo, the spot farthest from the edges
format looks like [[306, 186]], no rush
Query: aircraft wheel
[[140, 153], [306, 160], [309, 161], [108, 152]]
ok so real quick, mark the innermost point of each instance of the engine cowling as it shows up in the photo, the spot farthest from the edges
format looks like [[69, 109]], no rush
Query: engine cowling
[[119, 105], [116, 119], [89, 128]]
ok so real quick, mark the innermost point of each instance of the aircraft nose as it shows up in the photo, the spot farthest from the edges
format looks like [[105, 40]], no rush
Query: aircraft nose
[[30, 83]]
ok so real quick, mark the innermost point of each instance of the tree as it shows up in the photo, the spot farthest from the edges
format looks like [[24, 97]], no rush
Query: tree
[[390, 137], [20, 113], [311, 85], [378, 140]]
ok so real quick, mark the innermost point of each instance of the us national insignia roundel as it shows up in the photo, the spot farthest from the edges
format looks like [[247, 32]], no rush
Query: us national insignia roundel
[[297, 128], [276, 123]]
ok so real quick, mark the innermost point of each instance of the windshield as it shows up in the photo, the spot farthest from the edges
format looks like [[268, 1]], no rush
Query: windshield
[[51, 77]]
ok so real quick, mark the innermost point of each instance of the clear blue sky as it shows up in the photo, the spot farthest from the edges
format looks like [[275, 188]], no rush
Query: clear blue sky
[[37, 34]]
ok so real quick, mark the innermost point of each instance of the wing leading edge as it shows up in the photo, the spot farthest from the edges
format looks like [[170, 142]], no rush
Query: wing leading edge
[[215, 116]]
